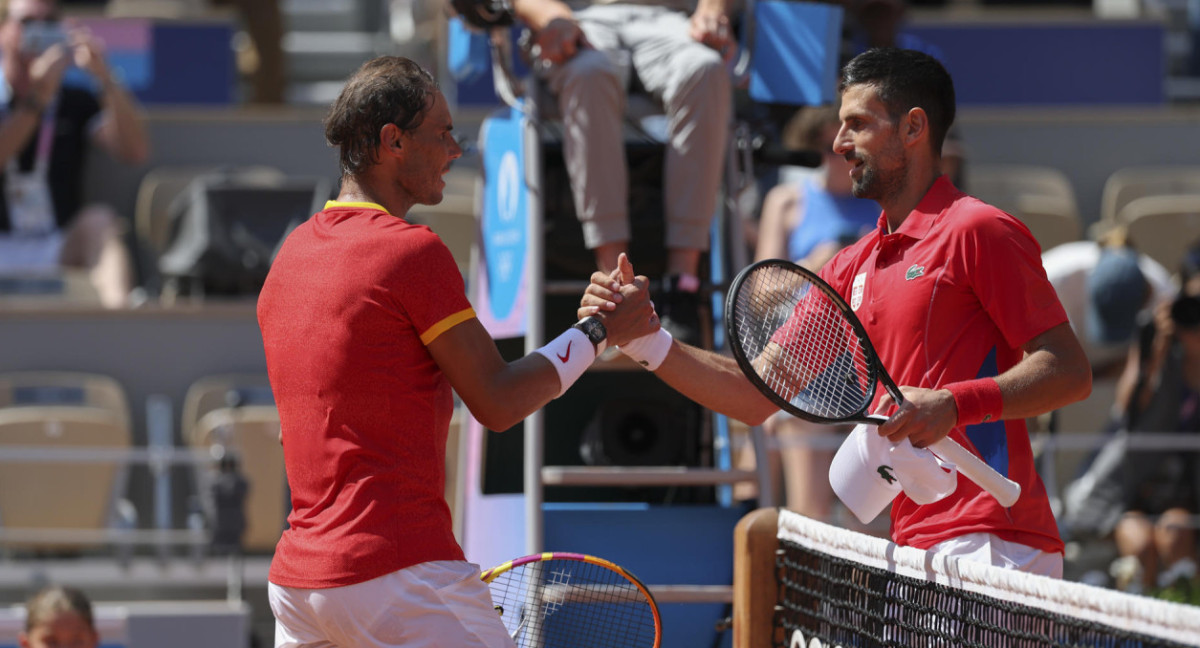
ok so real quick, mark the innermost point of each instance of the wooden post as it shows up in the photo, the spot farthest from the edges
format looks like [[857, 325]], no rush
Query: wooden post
[[754, 585]]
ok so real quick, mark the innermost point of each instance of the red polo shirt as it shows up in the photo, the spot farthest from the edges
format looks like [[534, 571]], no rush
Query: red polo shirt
[[353, 298], [953, 295]]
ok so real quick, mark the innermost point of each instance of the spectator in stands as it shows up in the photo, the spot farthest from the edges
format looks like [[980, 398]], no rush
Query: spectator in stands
[[44, 136], [808, 220], [1103, 285], [1160, 392], [59, 617], [585, 51], [365, 412]]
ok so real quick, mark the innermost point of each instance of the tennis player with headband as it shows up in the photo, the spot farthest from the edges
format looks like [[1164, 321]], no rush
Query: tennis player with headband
[[367, 329], [951, 292]]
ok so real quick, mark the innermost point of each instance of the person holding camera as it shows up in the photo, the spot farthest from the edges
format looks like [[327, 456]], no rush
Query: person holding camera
[[45, 132], [1159, 392]]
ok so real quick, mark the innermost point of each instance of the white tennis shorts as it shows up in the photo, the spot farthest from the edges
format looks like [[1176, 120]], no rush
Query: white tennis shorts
[[989, 549], [433, 604]]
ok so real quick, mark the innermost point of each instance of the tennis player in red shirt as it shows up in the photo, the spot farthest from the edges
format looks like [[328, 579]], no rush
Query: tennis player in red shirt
[[952, 293], [367, 329]]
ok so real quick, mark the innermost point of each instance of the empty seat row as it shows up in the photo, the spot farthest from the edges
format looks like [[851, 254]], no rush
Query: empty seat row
[[1159, 206], [66, 437]]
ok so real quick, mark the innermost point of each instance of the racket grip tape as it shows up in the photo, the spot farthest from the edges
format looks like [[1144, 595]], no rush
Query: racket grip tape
[[1006, 491]]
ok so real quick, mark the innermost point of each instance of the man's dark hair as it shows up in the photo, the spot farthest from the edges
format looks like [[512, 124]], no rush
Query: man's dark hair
[[385, 90], [906, 79]]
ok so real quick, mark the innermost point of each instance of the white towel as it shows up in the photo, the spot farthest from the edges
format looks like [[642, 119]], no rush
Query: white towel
[[868, 472]]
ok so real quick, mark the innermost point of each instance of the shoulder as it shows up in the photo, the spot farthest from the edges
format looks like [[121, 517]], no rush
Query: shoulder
[[422, 246], [971, 217], [411, 242]]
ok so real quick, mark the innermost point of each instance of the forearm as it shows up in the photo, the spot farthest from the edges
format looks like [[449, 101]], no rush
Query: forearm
[[18, 127], [716, 382], [498, 393], [513, 391], [127, 136]]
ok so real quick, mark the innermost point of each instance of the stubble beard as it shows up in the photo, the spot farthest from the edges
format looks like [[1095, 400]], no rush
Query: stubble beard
[[876, 184]]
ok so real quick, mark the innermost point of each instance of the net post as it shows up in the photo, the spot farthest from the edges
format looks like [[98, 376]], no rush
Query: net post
[[755, 544]]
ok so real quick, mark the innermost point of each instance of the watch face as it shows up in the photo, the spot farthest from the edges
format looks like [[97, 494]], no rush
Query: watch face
[[593, 328]]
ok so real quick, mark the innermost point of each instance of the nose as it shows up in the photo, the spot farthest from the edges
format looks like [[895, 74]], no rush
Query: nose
[[841, 143], [457, 143]]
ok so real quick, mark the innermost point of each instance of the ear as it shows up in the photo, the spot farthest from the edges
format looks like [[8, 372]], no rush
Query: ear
[[916, 126], [390, 137]]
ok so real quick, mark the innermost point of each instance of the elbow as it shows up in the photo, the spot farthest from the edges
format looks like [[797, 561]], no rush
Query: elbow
[[759, 410], [497, 419], [1083, 383], [1078, 383]]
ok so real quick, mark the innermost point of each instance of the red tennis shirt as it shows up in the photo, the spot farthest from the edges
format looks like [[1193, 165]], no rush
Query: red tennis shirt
[[352, 299], [953, 295]]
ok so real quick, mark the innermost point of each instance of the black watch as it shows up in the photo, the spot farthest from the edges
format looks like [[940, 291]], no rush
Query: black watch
[[594, 329]]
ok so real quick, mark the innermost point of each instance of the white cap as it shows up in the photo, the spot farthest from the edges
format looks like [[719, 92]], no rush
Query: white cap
[[868, 472]]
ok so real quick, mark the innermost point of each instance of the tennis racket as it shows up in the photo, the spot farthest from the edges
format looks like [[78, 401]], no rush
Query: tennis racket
[[561, 600], [799, 343]]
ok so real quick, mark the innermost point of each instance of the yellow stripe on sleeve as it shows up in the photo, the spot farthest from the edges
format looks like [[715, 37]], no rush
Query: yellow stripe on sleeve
[[446, 324]]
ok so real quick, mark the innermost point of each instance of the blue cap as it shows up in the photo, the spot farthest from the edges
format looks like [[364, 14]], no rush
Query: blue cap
[[1116, 292]]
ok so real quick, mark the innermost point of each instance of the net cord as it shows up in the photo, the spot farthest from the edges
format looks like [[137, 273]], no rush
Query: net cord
[[1163, 619]]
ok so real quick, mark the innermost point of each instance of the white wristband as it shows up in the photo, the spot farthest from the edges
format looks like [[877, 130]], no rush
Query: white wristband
[[571, 354], [649, 350]]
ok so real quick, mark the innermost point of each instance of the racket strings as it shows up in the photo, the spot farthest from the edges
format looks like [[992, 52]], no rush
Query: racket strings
[[818, 363], [569, 604]]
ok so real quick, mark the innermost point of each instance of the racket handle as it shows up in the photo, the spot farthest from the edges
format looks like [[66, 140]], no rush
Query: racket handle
[[1006, 491]]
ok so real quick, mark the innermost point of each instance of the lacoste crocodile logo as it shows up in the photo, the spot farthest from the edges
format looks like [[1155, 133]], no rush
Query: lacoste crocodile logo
[[886, 473], [913, 272]]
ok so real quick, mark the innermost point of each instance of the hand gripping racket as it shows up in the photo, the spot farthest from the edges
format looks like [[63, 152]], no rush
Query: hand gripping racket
[[561, 600], [799, 343]]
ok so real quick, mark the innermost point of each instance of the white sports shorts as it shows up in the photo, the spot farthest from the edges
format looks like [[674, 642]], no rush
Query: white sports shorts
[[440, 603], [989, 549]]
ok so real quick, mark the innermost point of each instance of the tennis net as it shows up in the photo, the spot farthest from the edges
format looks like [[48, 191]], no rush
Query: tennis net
[[830, 587]]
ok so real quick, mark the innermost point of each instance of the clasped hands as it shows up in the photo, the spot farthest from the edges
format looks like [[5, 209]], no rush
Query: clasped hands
[[622, 300]]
